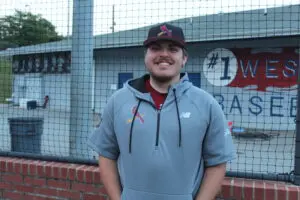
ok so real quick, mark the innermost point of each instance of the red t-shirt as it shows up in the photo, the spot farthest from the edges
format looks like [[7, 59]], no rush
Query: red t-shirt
[[157, 97]]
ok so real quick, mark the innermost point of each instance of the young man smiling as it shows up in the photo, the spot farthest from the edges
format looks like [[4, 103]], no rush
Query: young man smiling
[[161, 138]]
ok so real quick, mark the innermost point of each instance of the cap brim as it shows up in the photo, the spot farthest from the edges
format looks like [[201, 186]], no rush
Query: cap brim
[[155, 39]]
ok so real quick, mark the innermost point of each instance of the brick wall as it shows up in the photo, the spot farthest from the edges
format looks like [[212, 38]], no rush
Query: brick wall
[[40, 180]]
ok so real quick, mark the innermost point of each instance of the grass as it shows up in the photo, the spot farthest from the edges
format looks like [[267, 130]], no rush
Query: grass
[[5, 79]]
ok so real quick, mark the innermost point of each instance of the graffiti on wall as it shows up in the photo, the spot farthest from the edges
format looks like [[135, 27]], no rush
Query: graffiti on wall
[[58, 62], [268, 75]]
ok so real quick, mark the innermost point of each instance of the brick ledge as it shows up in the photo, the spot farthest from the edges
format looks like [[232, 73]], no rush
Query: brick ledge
[[232, 188]]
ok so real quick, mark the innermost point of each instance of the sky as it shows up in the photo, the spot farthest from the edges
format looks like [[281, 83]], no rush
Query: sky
[[132, 13]]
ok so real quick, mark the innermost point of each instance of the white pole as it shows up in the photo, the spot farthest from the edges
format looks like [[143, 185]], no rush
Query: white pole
[[68, 34]]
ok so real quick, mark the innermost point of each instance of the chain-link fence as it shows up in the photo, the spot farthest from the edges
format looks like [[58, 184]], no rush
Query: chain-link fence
[[62, 60]]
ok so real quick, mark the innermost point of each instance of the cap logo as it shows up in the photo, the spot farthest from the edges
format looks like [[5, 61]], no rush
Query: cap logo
[[164, 31]]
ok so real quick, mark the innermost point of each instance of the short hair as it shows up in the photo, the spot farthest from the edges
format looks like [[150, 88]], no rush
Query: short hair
[[184, 50]]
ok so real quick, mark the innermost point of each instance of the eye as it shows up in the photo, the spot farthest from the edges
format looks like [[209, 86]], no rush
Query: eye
[[154, 48], [174, 49]]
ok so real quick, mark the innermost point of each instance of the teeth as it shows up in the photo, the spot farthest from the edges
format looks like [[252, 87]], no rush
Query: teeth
[[163, 63]]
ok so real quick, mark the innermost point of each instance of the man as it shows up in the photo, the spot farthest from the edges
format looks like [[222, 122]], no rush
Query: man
[[161, 138]]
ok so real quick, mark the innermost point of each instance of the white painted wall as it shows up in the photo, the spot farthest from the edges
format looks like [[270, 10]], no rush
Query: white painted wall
[[19, 86], [110, 62], [108, 65], [34, 87], [58, 88]]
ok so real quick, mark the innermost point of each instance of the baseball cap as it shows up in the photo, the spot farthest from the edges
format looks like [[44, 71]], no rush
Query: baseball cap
[[165, 32]]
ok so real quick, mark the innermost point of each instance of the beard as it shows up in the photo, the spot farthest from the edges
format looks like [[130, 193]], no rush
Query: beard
[[161, 78]]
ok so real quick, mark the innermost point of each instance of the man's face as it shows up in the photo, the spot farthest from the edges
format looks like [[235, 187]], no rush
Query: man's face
[[164, 61]]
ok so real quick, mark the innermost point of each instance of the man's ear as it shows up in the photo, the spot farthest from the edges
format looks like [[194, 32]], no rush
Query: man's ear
[[185, 58]]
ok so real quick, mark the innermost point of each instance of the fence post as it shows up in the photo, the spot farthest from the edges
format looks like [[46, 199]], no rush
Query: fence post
[[81, 71], [297, 147]]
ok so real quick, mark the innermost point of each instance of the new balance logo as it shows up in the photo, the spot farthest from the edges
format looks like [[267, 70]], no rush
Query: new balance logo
[[185, 115]]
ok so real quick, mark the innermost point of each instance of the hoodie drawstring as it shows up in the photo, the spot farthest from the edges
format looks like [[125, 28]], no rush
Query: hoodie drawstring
[[132, 122], [178, 117], [136, 111]]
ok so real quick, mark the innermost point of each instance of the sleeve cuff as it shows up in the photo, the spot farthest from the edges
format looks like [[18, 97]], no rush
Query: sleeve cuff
[[103, 153], [219, 160]]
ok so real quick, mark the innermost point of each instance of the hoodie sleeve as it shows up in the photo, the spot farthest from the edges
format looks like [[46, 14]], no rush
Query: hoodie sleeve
[[218, 146], [104, 140]]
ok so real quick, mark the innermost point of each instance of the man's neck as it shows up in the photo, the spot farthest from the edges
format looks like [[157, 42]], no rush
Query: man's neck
[[162, 87]]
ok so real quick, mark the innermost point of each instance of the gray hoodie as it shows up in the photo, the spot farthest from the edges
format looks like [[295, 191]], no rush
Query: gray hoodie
[[162, 153]]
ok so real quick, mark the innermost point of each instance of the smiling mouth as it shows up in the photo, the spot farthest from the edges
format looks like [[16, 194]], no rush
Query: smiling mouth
[[163, 63]]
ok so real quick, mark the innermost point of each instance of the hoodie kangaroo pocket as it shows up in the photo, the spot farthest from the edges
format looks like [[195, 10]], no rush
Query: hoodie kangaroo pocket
[[131, 194]]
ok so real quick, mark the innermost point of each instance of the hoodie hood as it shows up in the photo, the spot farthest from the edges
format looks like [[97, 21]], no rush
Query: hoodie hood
[[138, 87]]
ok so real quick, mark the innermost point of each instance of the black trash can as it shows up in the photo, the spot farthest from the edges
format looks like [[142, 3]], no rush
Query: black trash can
[[26, 134]]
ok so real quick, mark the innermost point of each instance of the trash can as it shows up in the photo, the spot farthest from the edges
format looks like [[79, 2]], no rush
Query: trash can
[[26, 134]]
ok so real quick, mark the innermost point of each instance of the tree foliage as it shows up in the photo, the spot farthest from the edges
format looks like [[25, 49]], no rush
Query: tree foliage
[[25, 28]]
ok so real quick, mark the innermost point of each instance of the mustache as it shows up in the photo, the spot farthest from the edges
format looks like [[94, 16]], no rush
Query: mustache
[[163, 59]]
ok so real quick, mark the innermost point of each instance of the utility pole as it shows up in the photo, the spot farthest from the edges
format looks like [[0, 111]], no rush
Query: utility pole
[[28, 8], [113, 19]]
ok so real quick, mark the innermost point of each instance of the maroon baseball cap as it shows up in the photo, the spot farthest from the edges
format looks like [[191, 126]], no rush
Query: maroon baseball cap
[[165, 32]]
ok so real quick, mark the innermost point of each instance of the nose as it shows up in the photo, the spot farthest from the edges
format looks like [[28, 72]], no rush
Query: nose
[[164, 52]]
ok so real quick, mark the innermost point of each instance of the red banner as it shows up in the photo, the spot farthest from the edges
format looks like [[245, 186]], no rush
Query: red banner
[[264, 69]]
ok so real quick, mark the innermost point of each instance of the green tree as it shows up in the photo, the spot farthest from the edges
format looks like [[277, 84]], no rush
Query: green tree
[[5, 79], [25, 28]]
